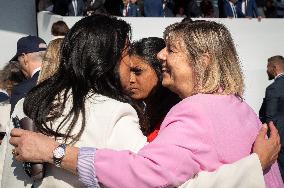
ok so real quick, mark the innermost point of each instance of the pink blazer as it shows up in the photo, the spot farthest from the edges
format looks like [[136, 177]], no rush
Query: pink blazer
[[201, 132]]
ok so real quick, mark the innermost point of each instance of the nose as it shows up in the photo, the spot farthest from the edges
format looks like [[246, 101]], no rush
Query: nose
[[162, 55], [132, 78]]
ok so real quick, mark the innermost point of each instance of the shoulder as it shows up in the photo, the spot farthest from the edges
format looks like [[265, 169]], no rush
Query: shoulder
[[279, 81], [195, 101], [188, 109], [276, 85], [110, 105]]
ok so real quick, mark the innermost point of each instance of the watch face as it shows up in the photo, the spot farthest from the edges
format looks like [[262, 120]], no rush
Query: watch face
[[58, 152]]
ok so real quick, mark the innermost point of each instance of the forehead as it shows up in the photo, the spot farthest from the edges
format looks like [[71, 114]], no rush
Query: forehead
[[175, 40], [137, 61]]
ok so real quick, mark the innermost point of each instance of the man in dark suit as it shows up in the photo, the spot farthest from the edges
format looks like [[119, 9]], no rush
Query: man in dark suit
[[30, 52], [272, 108], [153, 8], [247, 9], [230, 9], [76, 7], [69, 7]]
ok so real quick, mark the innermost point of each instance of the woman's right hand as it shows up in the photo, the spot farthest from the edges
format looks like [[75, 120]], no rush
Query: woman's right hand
[[31, 146], [267, 149]]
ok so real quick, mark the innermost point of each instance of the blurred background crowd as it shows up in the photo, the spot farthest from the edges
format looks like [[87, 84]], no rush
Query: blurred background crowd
[[166, 8]]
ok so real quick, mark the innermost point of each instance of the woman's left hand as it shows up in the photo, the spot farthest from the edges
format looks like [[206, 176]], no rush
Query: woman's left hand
[[31, 146]]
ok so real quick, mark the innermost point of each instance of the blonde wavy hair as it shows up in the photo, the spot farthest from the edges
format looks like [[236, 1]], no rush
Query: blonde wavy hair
[[51, 60], [223, 74]]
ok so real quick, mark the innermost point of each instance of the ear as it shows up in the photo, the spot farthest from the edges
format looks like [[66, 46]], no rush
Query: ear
[[206, 59], [25, 58]]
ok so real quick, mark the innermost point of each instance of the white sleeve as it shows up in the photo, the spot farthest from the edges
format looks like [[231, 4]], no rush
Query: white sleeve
[[126, 133], [245, 173], [4, 117]]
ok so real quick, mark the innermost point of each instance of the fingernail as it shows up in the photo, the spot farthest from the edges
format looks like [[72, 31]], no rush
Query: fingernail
[[265, 126]]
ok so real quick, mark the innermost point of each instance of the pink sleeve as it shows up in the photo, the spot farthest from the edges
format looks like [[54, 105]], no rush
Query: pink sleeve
[[172, 158]]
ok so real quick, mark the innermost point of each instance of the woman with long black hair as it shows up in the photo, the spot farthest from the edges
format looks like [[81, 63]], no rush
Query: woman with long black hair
[[82, 104]]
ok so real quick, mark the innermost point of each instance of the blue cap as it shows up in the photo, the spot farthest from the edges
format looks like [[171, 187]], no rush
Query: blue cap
[[29, 44]]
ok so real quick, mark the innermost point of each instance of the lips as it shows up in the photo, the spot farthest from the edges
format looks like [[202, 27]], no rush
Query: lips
[[132, 90], [165, 70]]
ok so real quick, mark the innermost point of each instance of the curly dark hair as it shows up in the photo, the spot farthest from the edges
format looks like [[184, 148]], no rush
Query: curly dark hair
[[10, 76], [89, 56], [160, 99]]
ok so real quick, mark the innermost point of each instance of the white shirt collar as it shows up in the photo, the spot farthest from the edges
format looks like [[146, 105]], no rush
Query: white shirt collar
[[35, 71], [4, 91]]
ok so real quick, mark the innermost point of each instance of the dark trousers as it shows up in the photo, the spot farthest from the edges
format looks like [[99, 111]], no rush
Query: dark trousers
[[281, 162]]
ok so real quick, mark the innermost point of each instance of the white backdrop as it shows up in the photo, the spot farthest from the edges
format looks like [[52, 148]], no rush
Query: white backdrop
[[17, 19]]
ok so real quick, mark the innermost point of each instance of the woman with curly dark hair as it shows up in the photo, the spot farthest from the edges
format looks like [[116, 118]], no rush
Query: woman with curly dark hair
[[10, 76]]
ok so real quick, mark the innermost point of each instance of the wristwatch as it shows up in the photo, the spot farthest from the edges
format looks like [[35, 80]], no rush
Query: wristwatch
[[58, 154]]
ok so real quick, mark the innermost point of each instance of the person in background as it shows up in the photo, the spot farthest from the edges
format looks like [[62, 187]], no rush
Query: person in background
[[230, 9], [191, 8], [207, 9], [76, 7], [44, 5], [59, 29], [51, 60], [30, 52], [272, 108], [247, 9], [130, 9], [221, 9], [114, 7], [167, 9], [95, 7], [270, 9], [279, 8], [69, 7], [153, 8], [10, 76], [180, 12], [159, 174]]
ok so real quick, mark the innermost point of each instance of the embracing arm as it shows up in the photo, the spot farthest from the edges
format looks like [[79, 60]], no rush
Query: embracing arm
[[246, 172], [38, 148]]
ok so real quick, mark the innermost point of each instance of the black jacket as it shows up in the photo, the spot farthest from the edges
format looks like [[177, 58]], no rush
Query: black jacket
[[272, 108]]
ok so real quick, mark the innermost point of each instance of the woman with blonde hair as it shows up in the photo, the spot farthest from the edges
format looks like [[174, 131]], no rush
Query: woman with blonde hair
[[51, 60]]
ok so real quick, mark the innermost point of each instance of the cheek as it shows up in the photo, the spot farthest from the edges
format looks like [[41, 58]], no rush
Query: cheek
[[146, 85], [124, 76]]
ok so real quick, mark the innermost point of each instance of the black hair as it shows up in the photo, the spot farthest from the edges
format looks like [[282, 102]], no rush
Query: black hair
[[160, 99], [88, 58]]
